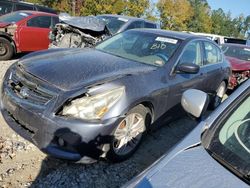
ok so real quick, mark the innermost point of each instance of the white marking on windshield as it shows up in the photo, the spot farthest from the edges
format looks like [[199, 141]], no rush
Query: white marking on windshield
[[123, 19], [24, 14], [168, 40]]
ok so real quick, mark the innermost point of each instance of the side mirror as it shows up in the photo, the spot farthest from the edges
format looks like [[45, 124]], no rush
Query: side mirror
[[195, 102], [188, 68]]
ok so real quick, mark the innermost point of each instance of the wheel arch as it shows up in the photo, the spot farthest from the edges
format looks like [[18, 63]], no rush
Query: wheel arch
[[9, 38]]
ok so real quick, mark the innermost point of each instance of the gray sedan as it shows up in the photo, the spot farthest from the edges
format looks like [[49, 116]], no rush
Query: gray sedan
[[219, 157], [90, 103]]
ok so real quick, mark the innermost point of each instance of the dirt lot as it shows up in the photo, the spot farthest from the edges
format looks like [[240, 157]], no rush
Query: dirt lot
[[23, 165]]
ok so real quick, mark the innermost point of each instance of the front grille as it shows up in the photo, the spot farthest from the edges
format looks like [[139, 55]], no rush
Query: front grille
[[25, 87]]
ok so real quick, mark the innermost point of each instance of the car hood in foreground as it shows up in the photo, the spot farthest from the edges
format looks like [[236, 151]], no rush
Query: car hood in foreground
[[193, 167], [73, 68], [238, 64]]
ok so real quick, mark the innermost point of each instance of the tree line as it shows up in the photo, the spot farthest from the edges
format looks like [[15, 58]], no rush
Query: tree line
[[178, 15]]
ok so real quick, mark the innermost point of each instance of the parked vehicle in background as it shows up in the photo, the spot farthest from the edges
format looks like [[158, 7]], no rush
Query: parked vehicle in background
[[83, 104], [219, 39], [117, 23], [248, 39], [25, 31], [215, 154], [232, 40], [11, 6], [216, 38], [239, 58], [81, 32]]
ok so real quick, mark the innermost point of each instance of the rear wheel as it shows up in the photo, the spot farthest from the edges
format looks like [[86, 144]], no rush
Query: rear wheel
[[6, 49], [128, 134], [217, 99]]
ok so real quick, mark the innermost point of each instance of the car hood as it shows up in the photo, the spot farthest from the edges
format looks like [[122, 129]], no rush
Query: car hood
[[193, 167], [73, 68], [238, 64], [4, 24]]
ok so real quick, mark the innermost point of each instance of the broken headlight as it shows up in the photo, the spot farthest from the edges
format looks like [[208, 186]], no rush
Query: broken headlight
[[93, 107]]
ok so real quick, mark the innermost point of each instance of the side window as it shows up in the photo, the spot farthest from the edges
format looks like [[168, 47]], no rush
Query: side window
[[135, 24], [24, 7], [212, 53], [40, 21], [5, 7], [149, 25], [55, 20], [192, 54]]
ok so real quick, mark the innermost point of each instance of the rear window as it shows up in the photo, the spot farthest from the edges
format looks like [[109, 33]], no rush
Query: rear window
[[14, 17], [237, 52], [24, 7], [150, 25], [5, 7], [45, 9]]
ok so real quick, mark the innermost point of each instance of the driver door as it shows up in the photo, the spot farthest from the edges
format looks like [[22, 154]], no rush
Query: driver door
[[180, 82]]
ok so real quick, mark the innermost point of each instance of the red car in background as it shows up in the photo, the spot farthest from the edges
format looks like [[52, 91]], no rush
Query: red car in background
[[239, 57], [25, 31]]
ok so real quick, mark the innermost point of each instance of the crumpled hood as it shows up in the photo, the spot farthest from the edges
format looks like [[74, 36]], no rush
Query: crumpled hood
[[83, 22], [73, 68], [238, 64]]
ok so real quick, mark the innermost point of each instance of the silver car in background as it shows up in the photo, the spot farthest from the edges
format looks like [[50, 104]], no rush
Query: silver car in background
[[219, 157]]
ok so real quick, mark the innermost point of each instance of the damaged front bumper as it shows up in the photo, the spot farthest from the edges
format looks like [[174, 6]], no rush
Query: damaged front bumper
[[57, 136]]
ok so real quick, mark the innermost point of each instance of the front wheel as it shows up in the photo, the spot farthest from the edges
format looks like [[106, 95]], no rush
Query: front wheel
[[128, 134], [6, 49], [217, 99]]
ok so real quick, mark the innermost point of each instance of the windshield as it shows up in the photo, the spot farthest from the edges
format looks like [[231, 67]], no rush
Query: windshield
[[14, 17], [237, 52], [231, 140], [113, 23], [140, 46]]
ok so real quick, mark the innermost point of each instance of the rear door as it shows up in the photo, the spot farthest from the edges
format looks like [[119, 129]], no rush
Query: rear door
[[213, 66], [33, 35]]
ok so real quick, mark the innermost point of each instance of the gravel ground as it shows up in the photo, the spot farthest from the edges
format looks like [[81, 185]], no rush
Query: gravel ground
[[23, 165]]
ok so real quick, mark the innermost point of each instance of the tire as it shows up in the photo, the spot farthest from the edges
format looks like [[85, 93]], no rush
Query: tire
[[217, 98], [117, 150], [6, 49]]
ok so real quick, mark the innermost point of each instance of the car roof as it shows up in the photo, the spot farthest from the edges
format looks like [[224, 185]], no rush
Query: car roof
[[236, 45], [125, 17], [37, 12], [172, 34]]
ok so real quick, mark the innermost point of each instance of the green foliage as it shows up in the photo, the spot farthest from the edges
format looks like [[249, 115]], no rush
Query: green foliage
[[201, 20], [174, 14], [93, 7]]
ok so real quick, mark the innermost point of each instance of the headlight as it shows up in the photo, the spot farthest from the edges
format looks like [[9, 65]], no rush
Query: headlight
[[93, 107]]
